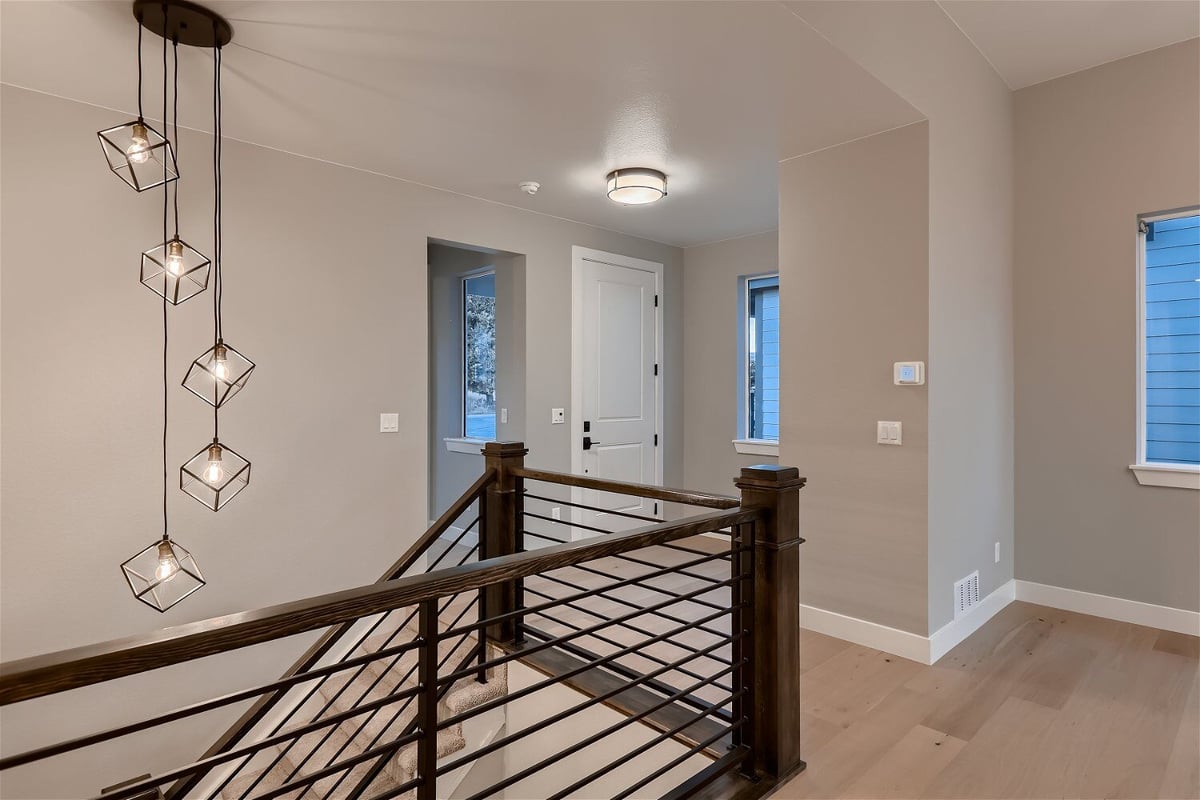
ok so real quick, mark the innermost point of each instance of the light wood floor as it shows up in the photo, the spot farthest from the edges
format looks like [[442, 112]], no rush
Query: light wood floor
[[1039, 703]]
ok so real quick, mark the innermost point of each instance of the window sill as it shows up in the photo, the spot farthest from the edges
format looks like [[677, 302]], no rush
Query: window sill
[[756, 447], [1178, 476], [462, 444]]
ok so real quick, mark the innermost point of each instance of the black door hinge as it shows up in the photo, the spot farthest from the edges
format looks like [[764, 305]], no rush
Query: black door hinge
[[656, 509], [656, 369], [656, 440], [656, 301]]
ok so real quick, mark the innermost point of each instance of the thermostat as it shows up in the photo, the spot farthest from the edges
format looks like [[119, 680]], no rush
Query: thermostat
[[908, 373]]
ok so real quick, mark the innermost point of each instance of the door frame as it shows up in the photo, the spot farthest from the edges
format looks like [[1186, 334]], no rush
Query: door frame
[[580, 255]]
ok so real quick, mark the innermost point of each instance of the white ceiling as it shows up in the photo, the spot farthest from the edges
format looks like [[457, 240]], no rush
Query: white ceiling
[[474, 97], [1030, 41]]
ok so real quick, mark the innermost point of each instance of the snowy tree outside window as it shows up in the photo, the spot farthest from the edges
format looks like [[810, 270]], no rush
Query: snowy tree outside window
[[479, 356]]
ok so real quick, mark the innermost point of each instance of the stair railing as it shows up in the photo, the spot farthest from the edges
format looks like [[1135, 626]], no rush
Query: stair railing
[[741, 711]]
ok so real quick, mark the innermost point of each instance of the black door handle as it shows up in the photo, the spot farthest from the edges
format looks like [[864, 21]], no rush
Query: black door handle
[[587, 443]]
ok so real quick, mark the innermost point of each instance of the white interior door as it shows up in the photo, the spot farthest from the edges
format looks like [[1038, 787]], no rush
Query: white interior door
[[618, 406]]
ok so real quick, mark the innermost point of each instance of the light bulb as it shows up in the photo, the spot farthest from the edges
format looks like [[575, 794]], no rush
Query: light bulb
[[168, 564], [139, 150], [175, 257], [220, 363], [215, 471]]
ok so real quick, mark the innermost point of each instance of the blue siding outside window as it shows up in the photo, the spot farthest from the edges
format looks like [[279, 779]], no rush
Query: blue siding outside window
[[762, 361], [1172, 354]]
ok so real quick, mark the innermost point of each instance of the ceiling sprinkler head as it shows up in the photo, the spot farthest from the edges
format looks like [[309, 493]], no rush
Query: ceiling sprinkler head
[[529, 187]]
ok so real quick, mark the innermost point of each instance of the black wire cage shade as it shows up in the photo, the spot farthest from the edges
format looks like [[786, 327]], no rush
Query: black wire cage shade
[[217, 375], [175, 271], [139, 155], [215, 475], [162, 574]]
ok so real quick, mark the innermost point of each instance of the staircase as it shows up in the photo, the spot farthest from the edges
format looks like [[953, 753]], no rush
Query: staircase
[[647, 662], [377, 681]]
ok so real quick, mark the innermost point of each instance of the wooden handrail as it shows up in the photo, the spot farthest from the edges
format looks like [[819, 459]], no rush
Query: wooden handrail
[[38, 676], [635, 489]]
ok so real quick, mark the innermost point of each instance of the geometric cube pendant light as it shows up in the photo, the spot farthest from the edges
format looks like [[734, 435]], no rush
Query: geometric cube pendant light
[[139, 155], [175, 271], [218, 375], [215, 475], [162, 574]]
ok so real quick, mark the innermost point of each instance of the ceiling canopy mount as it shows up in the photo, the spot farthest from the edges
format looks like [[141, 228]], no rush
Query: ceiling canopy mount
[[183, 21]]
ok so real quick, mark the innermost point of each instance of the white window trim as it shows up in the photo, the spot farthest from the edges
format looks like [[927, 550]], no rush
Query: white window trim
[[461, 444], [743, 444], [1178, 476], [1149, 473], [757, 447], [462, 354]]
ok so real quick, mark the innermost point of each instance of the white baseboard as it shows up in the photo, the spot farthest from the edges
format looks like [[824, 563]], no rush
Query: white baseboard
[[905, 644], [1099, 605], [947, 637], [913, 646]]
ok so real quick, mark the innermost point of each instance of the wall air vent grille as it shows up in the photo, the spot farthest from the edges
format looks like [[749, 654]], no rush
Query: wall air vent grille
[[966, 594]]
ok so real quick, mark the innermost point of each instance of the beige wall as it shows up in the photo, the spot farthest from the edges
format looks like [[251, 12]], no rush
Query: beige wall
[[1094, 150], [326, 290], [711, 359], [916, 50], [854, 250]]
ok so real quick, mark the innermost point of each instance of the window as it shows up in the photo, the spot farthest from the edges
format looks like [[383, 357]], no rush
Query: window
[[479, 356], [759, 378], [1169, 374]]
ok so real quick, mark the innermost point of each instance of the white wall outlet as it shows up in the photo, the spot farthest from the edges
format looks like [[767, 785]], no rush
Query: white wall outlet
[[558, 416], [888, 433], [997, 552], [556, 513], [389, 423], [908, 373], [504, 416]]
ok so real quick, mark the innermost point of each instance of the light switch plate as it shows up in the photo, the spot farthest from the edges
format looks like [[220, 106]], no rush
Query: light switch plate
[[558, 416], [888, 433], [908, 373], [504, 416], [389, 423]]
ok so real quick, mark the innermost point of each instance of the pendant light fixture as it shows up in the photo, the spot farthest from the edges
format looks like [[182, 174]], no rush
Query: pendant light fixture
[[174, 270], [165, 572], [136, 152], [636, 186], [217, 473]]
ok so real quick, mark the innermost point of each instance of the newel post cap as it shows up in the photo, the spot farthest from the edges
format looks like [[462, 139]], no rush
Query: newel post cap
[[505, 449], [770, 477]]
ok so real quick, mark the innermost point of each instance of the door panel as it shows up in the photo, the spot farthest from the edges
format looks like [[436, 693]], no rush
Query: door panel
[[619, 386]]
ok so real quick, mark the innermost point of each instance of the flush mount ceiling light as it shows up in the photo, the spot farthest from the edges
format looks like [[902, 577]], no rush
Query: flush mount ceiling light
[[636, 186]]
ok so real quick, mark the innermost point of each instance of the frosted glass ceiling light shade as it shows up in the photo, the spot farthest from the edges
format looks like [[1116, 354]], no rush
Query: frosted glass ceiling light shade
[[175, 271], [218, 375], [162, 574], [215, 475], [636, 186]]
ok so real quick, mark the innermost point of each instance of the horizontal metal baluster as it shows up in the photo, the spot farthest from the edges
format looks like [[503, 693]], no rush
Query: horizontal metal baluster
[[614, 642], [657, 740], [675, 762], [528, 690], [602, 593], [332, 769], [525, 773]]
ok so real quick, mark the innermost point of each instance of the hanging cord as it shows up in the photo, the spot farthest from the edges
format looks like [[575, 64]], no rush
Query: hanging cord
[[139, 62], [166, 197], [217, 226], [220, 127], [175, 124]]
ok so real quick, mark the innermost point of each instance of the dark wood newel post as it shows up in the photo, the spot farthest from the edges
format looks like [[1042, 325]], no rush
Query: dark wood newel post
[[501, 526], [775, 656]]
